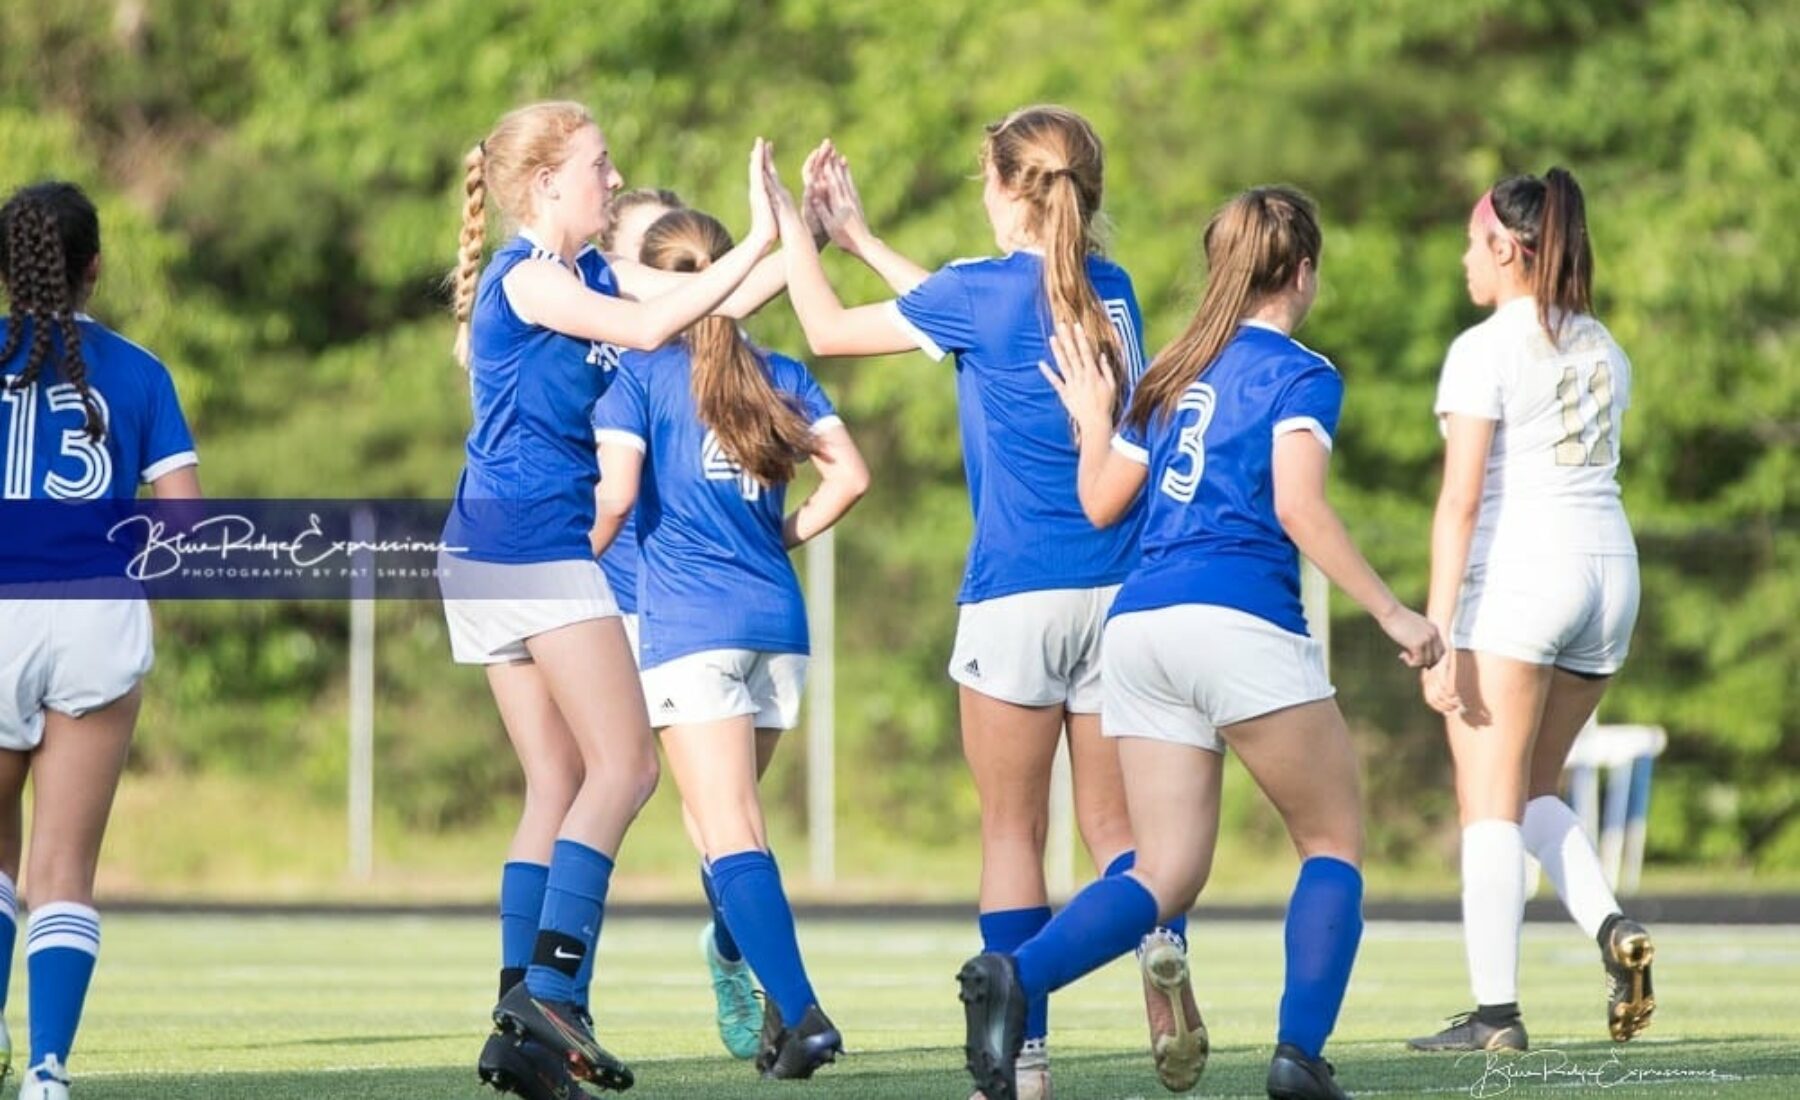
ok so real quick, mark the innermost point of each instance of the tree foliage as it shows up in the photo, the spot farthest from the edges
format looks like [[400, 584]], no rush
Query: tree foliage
[[278, 183]]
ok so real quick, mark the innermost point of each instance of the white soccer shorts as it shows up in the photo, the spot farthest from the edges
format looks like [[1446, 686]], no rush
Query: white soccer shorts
[[491, 608], [70, 656], [1180, 673], [716, 684], [1575, 611], [1034, 649]]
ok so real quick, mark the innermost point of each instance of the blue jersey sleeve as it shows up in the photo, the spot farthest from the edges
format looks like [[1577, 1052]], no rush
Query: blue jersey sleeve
[[167, 444], [938, 314], [1133, 442], [1312, 403], [815, 404], [622, 415]]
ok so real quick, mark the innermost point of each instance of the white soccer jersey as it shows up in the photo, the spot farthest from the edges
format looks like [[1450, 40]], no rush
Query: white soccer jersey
[[1552, 472]]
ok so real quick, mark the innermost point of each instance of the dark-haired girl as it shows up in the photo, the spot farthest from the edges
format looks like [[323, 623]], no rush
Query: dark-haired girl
[[1228, 437], [1534, 578], [85, 414], [701, 437]]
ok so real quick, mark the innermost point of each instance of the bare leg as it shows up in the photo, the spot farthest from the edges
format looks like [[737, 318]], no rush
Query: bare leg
[[1010, 750], [547, 754], [1100, 809], [75, 773]]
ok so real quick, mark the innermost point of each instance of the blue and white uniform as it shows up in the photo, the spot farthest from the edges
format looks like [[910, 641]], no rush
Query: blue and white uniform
[[1208, 629], [1552, 577], [77, 655], [722, 625], [1039, 576], [520, 562]]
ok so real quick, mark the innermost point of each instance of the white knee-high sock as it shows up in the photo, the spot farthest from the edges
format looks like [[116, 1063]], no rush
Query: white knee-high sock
[[1493, 875], [1554, 835]]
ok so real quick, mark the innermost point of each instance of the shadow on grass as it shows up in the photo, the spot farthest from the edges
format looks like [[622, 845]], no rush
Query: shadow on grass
[[1736, 1068]]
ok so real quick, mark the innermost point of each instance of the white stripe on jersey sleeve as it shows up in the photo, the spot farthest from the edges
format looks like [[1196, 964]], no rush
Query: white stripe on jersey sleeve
[[165, 465], [914, 333], [621, 438], [1131, 450], [824, 422], [1302, 424]]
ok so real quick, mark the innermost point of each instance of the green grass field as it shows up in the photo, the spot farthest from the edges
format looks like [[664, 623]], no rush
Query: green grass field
[[207, 1008]]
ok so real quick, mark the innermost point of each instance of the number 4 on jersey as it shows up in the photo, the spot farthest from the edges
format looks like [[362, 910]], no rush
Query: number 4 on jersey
[[719, 466]]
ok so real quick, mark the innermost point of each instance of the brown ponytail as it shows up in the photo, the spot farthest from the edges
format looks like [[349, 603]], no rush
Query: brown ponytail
[[49, 237], [468, 248], [1548, 217], [1052, 158], [757, 427], [1254, 248]]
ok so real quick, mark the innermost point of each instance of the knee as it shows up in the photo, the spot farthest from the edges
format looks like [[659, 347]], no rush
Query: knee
[[1106, 831], [1014, 823]]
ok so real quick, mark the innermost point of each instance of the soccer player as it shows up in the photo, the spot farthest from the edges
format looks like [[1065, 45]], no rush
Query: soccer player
[[1206, 646], [1534, 577], [523, 595], [1039, 576], [85, 414], [702, 437]]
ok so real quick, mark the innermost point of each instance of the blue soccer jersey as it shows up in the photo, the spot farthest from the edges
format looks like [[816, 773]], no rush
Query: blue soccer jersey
[[49, 456], [527, 488], [48, 453], [620, 561], [1019, 452], [714, 570], [1210, 535]]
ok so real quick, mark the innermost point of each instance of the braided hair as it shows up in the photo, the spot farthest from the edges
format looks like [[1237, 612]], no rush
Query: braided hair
[[49, 237]]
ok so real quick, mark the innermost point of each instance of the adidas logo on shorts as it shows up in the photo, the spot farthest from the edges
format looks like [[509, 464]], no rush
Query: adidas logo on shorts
[[666, 704], [973, 668]]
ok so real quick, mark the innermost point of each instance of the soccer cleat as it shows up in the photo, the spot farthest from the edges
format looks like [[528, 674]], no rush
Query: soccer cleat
[[801, 1050], [1294, 1076], [1629, 999], [994, 1023], [1178, 1039], [45, 1081], [768, 1039], [525, 1068], [561, 1027], [1467, 1031], [735, 992]]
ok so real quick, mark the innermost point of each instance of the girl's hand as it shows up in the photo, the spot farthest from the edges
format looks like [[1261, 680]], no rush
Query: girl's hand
[[1438, 683], [764, 228], [812, 198], [1421, 646], [1084, 383], [840, 205]]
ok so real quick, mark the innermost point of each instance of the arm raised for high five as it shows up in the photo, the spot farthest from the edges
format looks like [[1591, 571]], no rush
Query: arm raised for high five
[[830, 328], [832, 198], [548, 294]]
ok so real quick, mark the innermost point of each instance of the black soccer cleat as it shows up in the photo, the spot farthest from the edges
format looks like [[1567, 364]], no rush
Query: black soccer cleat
[[1468, 1031], [994, 1022], [799, 1051], [768, 1040], [1294, 1076], [561, 1026], [1630, 1001], [524, 1067]]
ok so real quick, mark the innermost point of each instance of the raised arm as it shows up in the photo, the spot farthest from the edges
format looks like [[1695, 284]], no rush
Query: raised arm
[[830, 328], [1466, 443], [548, 294], [1300, 464], [831, 196], [843, 479], [621, 468], [1109, 477]]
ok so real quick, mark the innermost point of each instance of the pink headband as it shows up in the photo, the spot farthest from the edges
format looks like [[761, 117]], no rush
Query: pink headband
[[1486, 215]]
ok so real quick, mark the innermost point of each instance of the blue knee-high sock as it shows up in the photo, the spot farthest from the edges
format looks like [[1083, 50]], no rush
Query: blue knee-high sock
[[569, 926], [756, 908], [1003, 932], [9, 933], [60, 948], [521, 904], [1105, 920], [723, 943], [1324, 927], [1124, 862]]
